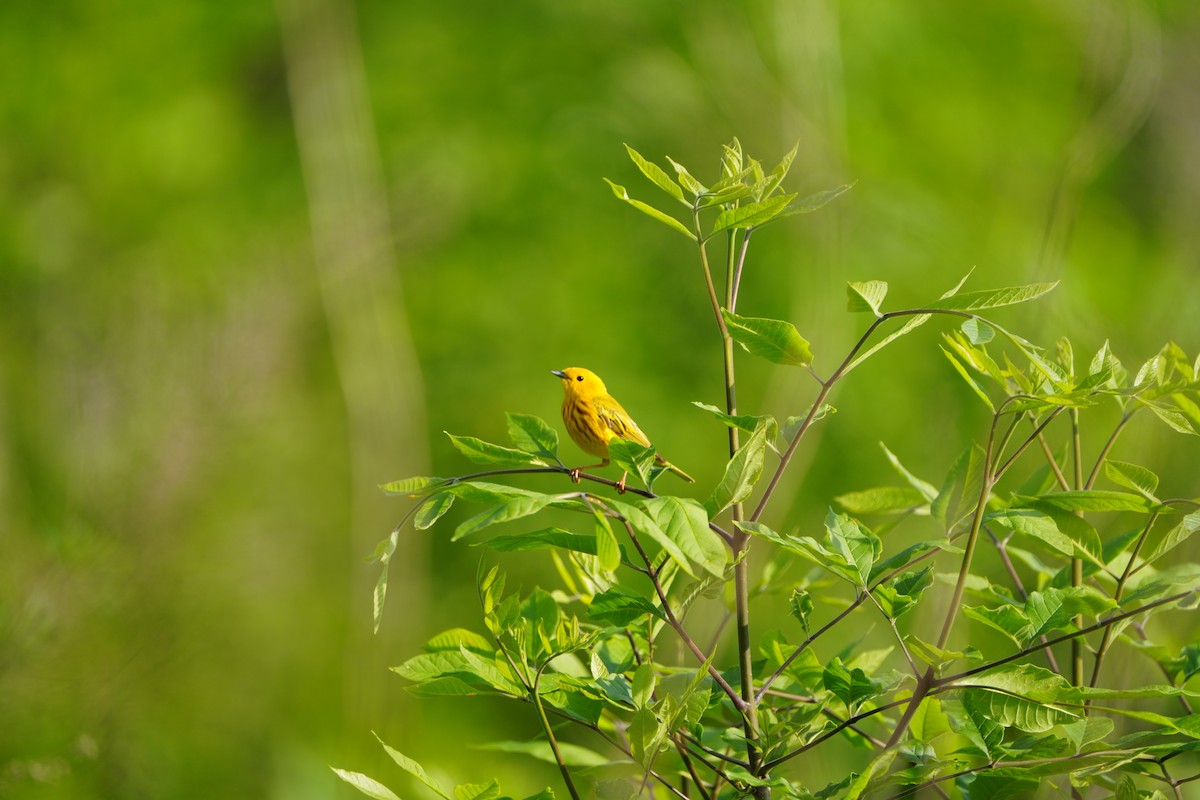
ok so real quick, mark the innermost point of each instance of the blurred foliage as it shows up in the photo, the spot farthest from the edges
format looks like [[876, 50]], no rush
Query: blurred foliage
[[180, 601]]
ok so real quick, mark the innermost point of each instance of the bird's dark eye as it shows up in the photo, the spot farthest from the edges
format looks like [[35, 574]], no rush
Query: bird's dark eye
[[578, 377]]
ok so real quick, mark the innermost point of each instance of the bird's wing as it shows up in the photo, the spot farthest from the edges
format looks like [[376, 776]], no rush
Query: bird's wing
[[619, 422]]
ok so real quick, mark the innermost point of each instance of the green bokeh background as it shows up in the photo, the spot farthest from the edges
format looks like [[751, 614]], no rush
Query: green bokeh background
[[190, 433]]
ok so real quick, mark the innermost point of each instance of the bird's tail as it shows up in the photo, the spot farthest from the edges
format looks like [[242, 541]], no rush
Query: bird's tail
[[675, 469]]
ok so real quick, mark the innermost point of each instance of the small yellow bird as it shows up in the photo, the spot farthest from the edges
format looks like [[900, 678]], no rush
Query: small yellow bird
[[593, 417]]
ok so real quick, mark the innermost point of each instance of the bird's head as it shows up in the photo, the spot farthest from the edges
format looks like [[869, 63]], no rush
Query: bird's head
[[580, 381]]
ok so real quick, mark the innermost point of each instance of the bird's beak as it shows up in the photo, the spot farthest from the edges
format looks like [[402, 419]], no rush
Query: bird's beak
[[558, 373]]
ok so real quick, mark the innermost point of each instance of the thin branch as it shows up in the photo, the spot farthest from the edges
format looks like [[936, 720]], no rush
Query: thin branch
[[1052, 461], [1006, 559], [717, 529], [770, 765], [1108, 445], [941, 682], [1122, 582], [827, 386], [738, 702]]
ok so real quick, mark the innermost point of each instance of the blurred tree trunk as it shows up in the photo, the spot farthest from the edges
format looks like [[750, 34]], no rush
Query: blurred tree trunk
[[355, 258]]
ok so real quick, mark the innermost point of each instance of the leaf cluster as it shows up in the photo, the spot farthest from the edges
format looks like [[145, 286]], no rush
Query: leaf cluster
[[613, 653]]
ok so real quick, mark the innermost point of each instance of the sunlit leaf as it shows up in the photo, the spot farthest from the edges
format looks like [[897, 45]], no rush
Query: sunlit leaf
[[977, 331], [961, 489], [851, 686], [992, 298], [1132, 476], [412, 768], [477, 791], [750, 215], [510, 509], [651, 211], [573, 755], [741, 473], [685, 521], [657, 175], [541, 540], [865, 295], [532, 435], [773, 339], [411, 487], [801, 605], [881, 500], [1097, 500], [1055, 609], [482, 452], [368, 786], [644, 525], [431, 510]]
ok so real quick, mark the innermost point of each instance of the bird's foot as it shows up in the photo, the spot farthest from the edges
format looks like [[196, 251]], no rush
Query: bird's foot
[[621, 483], [575, 474]]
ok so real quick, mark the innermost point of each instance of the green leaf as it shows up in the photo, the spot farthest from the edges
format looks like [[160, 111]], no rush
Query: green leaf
[[1131, 476], [532, 435], [882, 500], [477, 791], [851, 686], [773, 339], [745, 422], [412, 768], [773, 181], [992, 298], [411, 487], [572, 754], [510, 509], [657, 175], [1176, 536], [690, 183], [608, 551], [929, 721], [801, 606], [970, 720], [620, 607], [866, 296], [904, 592], [974, 385], [542, 540], [1034, 683], [927, 490], [816, 200], [544, 794], [750, 215], [936, 656], [854, 542], [685, 522], [1059, 530], [1150, 585], [431, 510], [1012, 711], [961, 489], [987, 786], [1007, 619], [643, 524], [1055, 609], [977, 331], [632, 457], [651, 211], [455, 639], [1097, 500], [482, 452], [741, 473], [368, 786], [643, 684]]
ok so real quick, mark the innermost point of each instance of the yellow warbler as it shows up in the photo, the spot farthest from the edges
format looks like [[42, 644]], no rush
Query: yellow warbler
[[593, 417]]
